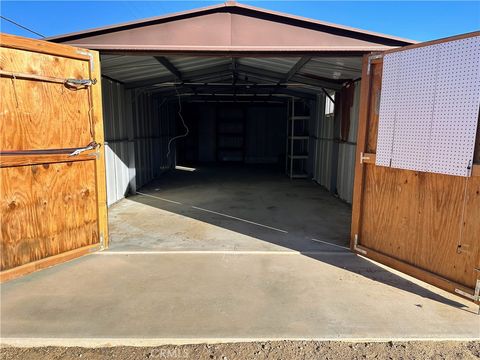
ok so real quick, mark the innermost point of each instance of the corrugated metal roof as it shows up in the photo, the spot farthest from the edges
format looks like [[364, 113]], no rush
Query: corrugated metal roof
[[192, 63], [334, 67], [276, 64], [147, 71], [127, 68]]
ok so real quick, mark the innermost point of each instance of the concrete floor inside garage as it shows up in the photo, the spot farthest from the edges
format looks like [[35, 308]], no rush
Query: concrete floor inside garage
[[230, 208], [226, 254]]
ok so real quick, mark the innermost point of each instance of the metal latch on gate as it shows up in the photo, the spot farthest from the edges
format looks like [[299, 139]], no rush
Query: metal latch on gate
[[363, 158], [80, 82], [93, 145], [475, 296]]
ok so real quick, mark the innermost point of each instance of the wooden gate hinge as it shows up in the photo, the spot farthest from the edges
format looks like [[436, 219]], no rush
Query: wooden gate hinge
[[355, 246], [476, 294], [102, 241]]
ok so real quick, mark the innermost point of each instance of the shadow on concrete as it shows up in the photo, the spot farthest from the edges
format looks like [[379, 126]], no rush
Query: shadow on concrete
[[301, 209]]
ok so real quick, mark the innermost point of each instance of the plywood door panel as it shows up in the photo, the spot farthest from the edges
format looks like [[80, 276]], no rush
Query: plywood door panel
[[47, 209], [43, 47], [52, 205], [417, 217], [422, 223], [27, 109], [100, 176], [469, 244]]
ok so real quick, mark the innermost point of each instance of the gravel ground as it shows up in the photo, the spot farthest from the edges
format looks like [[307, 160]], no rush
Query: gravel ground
[[258, 351]]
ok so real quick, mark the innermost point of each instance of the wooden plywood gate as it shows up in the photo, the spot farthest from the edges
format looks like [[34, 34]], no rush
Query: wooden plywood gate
[[422, 223], [52, 177]]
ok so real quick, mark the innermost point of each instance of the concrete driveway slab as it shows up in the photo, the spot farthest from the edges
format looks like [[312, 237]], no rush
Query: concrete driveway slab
[[167, 298]]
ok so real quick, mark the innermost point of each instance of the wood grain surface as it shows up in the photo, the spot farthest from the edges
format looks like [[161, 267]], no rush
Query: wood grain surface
[[38, 114], [52, 206], [425, 224], [46, 209]]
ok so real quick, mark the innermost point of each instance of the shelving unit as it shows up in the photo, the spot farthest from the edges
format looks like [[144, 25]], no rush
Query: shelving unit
[[297, 142]]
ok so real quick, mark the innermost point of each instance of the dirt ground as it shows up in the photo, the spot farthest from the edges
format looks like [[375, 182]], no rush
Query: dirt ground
[[258, 351]]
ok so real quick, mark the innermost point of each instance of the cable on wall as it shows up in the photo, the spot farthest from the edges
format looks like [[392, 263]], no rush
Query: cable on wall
[[187, 130]]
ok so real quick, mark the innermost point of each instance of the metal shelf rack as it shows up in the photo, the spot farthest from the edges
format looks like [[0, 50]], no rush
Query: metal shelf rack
[[297, 143]]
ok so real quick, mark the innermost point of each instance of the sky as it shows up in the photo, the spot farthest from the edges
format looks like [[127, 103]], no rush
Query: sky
[[417, 20]]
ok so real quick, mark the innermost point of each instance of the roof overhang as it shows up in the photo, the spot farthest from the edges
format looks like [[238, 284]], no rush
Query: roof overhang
[[232, 44], [229, 29]]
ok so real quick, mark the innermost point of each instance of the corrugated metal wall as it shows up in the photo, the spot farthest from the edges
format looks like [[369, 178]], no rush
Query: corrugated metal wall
[[116, 138], [206, 132], [346, 154], [137, 129], [153, 126], [325, 136], [325, 174], [265, 134]]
